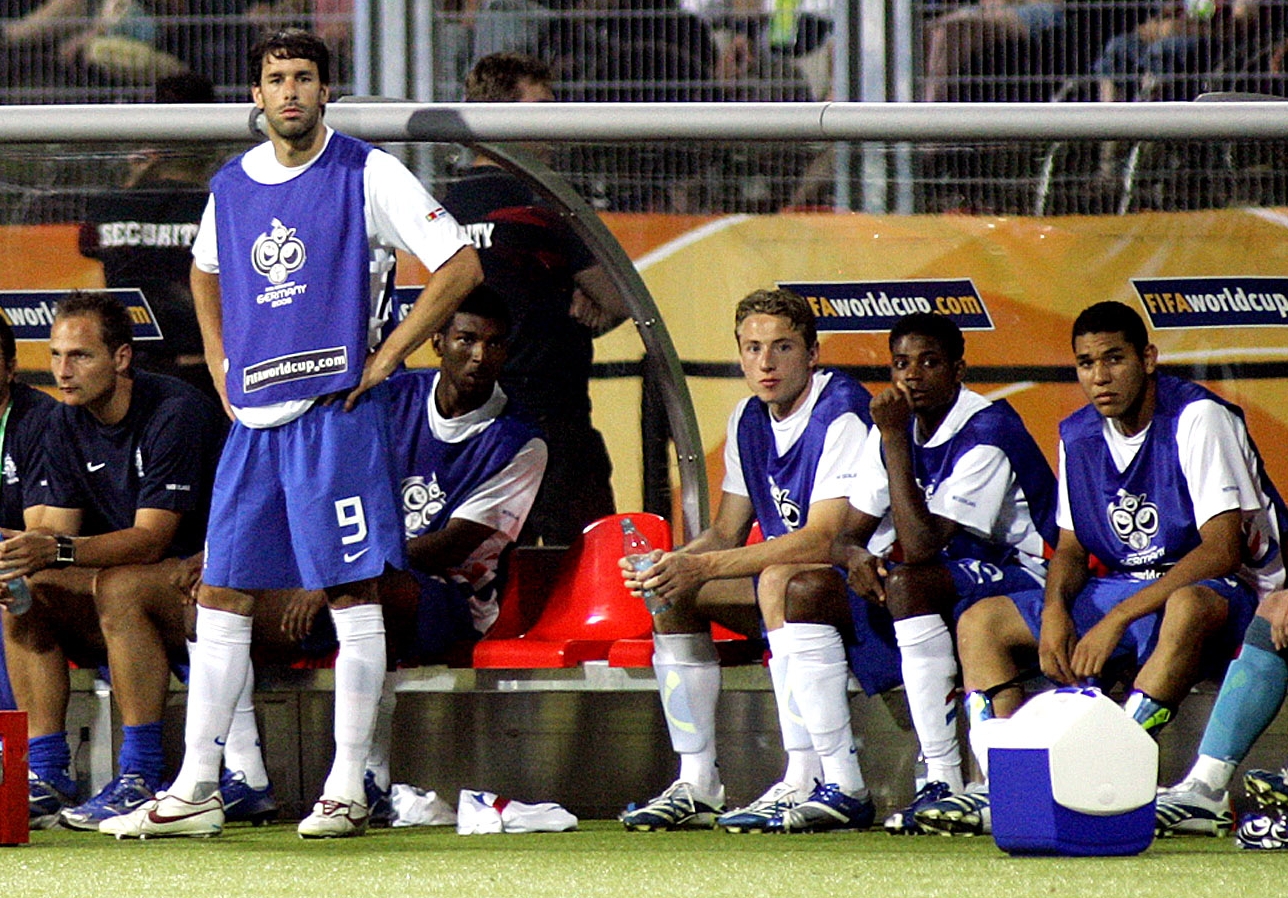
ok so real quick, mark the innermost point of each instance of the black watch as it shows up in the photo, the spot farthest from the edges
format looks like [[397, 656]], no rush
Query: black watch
[[66, 551]]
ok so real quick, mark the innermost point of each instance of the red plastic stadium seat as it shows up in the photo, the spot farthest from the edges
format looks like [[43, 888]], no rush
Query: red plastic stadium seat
[[734, 648], [588, 608]]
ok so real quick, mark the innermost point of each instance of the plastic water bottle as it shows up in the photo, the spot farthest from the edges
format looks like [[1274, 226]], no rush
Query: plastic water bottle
[[20, 596], [639, 554], [82, 767]]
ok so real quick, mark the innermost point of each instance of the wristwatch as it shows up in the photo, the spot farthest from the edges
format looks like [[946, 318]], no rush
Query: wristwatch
[[66, 551]]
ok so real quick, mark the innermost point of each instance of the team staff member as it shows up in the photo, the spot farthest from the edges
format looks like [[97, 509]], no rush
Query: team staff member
[[560, 299], [290, 268], [130, 458]]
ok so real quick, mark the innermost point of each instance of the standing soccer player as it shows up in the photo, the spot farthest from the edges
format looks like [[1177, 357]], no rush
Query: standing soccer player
[[290, 268]]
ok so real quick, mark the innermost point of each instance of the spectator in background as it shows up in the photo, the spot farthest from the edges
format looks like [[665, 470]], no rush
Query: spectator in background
[[954, 39], [143, 235], [1169, 56], [559, 298]]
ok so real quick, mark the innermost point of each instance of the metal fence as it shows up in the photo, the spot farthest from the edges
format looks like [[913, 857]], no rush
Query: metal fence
[[696, 50]]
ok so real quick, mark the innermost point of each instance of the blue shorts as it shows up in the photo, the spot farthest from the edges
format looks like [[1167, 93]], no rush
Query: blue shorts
[[872, 651], [1103, 593], [975, 580], [444, 620], [312, 503]]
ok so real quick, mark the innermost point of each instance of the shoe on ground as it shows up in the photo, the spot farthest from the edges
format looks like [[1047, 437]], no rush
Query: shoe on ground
[[45, 802], [679, 807], [380, 806], [755, 817], [1267, 788], [827, 808], [1263, 832], [334, 818], [122, 795], [242, 803], [1191, 808], [169, 815], [904, 822], [964, 814]]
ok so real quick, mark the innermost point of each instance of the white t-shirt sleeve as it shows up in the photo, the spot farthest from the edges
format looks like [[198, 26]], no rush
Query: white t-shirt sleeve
[[734, 483], [838, 463], [870, 489], [1217, 460], [402, 214], [503, 501], [976, 492], [1063, 516], [205, 246]]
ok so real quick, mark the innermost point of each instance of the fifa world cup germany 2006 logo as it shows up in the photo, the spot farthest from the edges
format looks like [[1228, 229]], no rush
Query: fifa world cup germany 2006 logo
[[277, 253], [1134, 519]]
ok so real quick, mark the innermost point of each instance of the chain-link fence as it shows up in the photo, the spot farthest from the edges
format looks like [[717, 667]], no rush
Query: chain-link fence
[[695, 50]]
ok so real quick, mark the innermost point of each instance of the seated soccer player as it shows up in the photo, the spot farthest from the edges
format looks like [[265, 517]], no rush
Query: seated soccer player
[[469, 466], [1160, 481], [972, 500], [789, 454], [128, 464]]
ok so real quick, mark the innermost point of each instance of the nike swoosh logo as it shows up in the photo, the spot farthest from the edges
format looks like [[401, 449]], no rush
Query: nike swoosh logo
[[91, 467], [348, 559], [220, 741], [162, 819]]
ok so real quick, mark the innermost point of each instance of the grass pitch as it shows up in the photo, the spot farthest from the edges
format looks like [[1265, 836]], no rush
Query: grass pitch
[[602, 859]]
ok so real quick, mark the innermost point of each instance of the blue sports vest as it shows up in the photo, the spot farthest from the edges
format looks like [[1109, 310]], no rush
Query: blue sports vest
[[436, 477], [294, 277], [780, 487], [1140, 521], [996, 425]]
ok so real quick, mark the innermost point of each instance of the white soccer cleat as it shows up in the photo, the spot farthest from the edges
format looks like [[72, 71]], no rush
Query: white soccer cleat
[[168, 815], [334, 818]]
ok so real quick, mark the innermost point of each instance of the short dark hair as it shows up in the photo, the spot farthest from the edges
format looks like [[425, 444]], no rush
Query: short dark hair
[[1112, 317], [496, 78], [783, 302], [113, 317], [484, 302], [940, 328], [290, 43], [8, 345]]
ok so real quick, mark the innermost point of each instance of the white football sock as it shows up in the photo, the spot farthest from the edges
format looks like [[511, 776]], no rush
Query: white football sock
[[1212, 772], [378, 757], [359, 676], [688, 679], [218, 666], [819, 678], [930, 682], [803, 766], [243, 751]]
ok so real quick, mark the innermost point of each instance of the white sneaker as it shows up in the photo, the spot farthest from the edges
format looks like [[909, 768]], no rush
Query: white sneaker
[[476, 814], [334, 818], [169, 815]]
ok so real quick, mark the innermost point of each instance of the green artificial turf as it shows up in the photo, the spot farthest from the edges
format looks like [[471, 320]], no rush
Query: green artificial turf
[[603, 860]]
